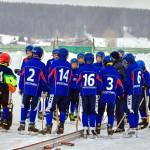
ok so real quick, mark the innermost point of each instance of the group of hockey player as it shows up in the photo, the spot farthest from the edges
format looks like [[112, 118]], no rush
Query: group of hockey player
[[115, 82]]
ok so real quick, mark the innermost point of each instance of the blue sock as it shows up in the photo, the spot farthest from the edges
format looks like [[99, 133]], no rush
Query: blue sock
[[99, 119], [111, 120], [85, 120], [76, 106], [131, 120], [46, 103], [92, 120], [72, 107], [39, 109], [49, 118], [136, 116], [32, 116], [23, 115], [62, 117], [143, 114], [6, 113]]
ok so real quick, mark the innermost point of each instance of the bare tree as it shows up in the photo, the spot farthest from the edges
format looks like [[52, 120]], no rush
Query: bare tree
[[110, 37]]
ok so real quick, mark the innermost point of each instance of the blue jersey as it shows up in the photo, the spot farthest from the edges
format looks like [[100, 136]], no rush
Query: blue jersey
[[112, 85], [89, 80], [59, 77], [81, 65], [32, 79], [133, 80], [146, 76], [23, 62], [75, 75], [99, 66], [48, 65]]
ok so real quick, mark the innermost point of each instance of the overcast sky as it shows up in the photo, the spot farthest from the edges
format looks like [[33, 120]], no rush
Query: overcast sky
[[145, 4]]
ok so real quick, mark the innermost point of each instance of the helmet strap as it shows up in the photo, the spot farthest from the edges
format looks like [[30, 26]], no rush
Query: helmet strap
[[109, 64]]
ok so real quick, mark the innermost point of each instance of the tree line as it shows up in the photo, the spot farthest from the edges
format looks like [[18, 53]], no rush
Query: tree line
[[47, 21]]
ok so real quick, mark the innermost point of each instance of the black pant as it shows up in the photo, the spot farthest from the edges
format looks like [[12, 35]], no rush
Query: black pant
[[26, 101], [61, 101], [120, 112], [4, 97]]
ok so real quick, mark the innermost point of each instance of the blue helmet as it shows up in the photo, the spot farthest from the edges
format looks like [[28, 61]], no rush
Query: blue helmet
[[55, 51], [100, 54], [89, 58], [80, 55], [128, 58], [141, 64], [37, 51], [1, 52], [121, 51], [108, 60], [63, 53], [74, 60], [29, 48]]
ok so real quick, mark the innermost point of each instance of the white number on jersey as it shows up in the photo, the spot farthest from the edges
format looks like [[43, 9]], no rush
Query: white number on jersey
[[110, 82], [89, 80], [30, 78], [139, 77], [1, 76], [64, 76]]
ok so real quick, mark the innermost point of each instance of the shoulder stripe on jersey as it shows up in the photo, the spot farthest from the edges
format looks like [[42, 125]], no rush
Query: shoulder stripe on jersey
[[23, 71], [70, 77], [52, 72], [119, 82], [42, 75], [97, 77], [80, 77], [132, 77]]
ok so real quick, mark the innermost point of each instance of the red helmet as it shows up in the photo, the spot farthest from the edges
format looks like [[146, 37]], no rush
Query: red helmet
[[4, 58]]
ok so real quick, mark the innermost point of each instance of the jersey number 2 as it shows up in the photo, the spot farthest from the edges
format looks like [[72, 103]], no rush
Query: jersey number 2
[[30, 78]]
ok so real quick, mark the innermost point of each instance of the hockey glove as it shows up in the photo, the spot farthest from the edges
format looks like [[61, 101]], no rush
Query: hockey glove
[[17, 71], [119, 98], [20, 92]]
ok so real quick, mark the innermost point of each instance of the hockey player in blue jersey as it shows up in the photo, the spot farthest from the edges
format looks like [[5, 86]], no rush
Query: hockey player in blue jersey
[[80, 58], [32, 83], [99, 58], [146, 86], [111, 90], [59, 78], [49, 62], [90, 84], [28, 51], [73, 88], [121, 53], [133, 90]]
